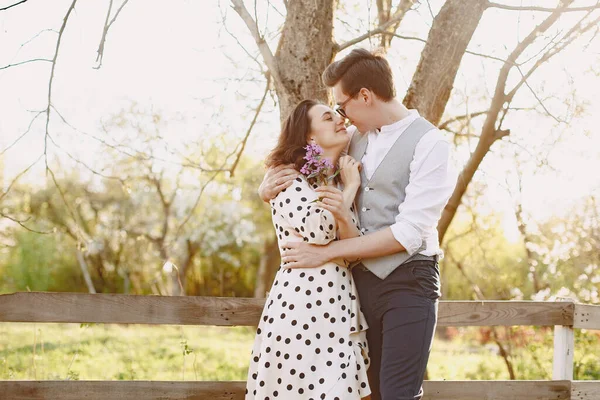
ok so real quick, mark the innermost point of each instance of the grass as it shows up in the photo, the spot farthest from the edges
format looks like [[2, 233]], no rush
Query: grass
[[117, 352], [137, 352]]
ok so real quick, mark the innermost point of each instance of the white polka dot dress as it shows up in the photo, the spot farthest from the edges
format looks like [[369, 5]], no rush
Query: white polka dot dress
[[311, 338]]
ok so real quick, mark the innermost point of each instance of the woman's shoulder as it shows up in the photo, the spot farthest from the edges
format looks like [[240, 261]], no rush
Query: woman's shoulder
[[299, 189]]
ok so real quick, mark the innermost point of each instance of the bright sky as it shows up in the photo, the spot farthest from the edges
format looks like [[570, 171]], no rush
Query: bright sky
[[179, 60]]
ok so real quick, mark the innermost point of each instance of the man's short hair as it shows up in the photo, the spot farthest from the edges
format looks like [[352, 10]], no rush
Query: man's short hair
[[362, 69]]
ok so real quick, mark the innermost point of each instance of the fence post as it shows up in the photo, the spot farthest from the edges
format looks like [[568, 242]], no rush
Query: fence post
[[564, 345]]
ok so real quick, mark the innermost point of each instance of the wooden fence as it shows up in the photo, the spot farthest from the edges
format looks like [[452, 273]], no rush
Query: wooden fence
[[221, 311]]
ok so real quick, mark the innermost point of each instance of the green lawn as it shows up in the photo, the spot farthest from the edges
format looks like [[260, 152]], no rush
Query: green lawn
[[117, 352], [136, 352]]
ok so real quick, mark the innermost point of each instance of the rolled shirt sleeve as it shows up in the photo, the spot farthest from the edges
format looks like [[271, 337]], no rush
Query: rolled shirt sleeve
[[432, 180]]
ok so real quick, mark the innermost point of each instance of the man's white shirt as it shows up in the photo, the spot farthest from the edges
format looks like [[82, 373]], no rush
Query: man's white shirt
[[431, 182]]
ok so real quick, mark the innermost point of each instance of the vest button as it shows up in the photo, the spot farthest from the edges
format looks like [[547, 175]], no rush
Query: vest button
[[367, 189], [364, 209]]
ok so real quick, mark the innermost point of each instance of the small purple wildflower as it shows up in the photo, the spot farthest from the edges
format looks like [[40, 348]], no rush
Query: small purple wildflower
[[315, 166]]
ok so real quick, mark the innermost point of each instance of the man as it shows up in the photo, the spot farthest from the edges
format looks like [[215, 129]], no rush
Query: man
[[406, 182]]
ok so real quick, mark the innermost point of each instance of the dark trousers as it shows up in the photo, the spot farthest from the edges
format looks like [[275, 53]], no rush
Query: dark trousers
[[401, 311]]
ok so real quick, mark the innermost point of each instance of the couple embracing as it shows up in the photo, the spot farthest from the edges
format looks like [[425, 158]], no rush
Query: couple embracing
[[353, 308]]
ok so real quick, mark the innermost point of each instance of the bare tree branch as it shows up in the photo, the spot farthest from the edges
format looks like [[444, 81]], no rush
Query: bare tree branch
[[36, 35], [490, 133], [223, 20], [559, 120], [430, 10], [457, 118], [551, 43], [23, 134], [117, 14], [139, 155], [107, 26], [16, 178], [3, 194], [592, 38], [418, 39], [385, 7], [265, 51], [476, 289], [543, 9], [257, 112], [100, 50], [24, 62], [21, 223], [51, 80], [204, 186], [12, 5], [78, 161], [275, 8], [23, 45], [379, 30], [79, 235], [566, 40]]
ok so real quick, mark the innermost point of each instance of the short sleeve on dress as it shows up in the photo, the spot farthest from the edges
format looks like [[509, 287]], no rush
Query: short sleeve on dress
[[296, 204]]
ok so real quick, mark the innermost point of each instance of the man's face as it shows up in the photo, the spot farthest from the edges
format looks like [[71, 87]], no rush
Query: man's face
[[351, 107]]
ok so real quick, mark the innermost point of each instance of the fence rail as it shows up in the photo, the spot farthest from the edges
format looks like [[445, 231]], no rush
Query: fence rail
[[220, 311], [232, 311]]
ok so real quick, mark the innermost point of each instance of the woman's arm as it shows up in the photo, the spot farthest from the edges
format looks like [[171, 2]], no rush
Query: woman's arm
[[297, 206], [339, 204], [377, 244], [348, 227]]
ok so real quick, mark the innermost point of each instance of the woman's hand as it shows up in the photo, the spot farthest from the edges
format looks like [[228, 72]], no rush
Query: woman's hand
[[275, 180], [332, 200], [350, 171]]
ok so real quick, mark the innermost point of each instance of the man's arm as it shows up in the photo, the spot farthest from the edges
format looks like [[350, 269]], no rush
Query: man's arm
[[430, 185], [377, 244], [431, 182], [275, 180]]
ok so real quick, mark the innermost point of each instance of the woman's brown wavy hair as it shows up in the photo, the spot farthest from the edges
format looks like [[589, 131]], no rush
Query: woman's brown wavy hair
[[293, 138]]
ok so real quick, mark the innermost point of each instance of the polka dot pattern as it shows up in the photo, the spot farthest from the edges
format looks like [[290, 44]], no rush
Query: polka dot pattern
[[311, 339]]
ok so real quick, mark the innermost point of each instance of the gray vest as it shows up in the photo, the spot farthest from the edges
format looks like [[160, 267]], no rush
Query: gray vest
[[379, 197]]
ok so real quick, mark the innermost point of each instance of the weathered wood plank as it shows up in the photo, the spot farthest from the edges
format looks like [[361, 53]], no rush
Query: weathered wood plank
[[587, 316], [228, 311], [121, 390], [165, 390], [505, 313], [127, 309], [585, 390], [496, 390], [564, 349]]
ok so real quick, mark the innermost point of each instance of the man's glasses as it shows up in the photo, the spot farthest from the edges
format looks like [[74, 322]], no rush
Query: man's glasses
[[340, 108]]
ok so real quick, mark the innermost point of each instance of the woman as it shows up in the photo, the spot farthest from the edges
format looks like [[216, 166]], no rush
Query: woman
[[311, 339]]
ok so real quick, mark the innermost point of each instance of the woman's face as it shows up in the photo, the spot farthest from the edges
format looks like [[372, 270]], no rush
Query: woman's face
[[327, 129]]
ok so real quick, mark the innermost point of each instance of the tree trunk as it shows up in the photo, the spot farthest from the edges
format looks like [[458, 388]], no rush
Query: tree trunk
[[178, 281], [85, 271], [527, 241], [179, 276], [433, 80], [447, 42], [305, 49]]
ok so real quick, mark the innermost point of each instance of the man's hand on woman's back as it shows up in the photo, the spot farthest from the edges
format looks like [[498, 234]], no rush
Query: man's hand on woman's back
[[275, 180]]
